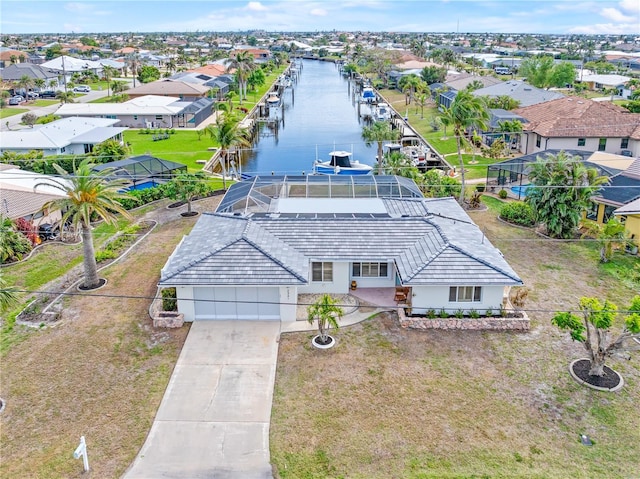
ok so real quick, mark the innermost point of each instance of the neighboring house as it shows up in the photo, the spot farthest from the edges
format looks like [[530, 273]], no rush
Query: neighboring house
[[601, 82], [458, 82], [19, 199], [177, 89], [259, 55], [148, 111], [623, 188], [274, 238], [16, 71], [211, 69], [630, 215], [579, 124], [524, 93], [8, 54], [67, 136], [69, 65]]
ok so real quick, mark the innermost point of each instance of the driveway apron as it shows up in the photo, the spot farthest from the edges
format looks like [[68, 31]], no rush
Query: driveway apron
[[213, 421]]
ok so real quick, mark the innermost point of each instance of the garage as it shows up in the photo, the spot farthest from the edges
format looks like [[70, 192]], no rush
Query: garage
[[252, 303]]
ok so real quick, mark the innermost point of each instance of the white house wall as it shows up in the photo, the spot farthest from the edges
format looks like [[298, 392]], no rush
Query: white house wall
[[437, 297], [288, 300], [591, 144], [386, 282], [339, 285], [186, 303]]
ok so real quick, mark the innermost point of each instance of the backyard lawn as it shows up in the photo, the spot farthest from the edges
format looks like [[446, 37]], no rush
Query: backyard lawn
[[421, 120], [184, 146]]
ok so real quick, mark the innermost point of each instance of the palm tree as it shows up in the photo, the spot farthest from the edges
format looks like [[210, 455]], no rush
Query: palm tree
[[511, 130], [397, 163], [108, 73], [326, 312], [39, 83], [466, 112], [87, 194], [8, 296], [25, 83], [228, 135], [409, 84], [243, 64], [609, 234], [380, 132]]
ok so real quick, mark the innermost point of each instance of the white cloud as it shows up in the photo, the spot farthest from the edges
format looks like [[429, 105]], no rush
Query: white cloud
[[629, 6], [604, 28], [615, 15], [256, 7], [318, 12]]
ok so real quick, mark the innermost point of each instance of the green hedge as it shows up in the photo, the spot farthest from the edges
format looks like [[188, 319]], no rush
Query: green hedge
[[518, 213]]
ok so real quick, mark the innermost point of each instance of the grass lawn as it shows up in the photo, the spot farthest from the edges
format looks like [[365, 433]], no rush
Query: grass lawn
[[101, 372], [386, 402], [7, 112], [421, 120], [45, 102], [183, 147]]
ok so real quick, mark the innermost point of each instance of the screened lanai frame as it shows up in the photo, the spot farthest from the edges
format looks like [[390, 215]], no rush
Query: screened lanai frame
[[143, 168], [256, 194]]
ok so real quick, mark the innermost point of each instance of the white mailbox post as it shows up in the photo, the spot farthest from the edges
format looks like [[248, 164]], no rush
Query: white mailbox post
[[81, 450]]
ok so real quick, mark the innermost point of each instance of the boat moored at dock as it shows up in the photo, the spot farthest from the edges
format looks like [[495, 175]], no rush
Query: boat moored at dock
[[341, 163]]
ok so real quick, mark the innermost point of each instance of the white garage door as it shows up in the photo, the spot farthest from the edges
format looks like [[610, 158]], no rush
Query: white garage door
[[237, 303]]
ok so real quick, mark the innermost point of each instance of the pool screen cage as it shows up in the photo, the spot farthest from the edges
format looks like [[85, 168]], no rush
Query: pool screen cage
[[144, 169]]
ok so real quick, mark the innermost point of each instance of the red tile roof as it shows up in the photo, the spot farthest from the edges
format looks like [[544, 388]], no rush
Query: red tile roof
[[574, 117]]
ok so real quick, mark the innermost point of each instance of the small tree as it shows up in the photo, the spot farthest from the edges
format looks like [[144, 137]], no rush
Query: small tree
[[608, 235], [29, 119], [327, 312], [186, 186], [592, 330]]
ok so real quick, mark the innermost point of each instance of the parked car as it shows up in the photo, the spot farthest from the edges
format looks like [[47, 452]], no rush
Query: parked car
[[48, 94], [32, 94], [82, 89], [16, 100]]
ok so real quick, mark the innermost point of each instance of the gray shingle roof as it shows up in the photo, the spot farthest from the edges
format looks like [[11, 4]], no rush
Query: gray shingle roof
[[431, 241]]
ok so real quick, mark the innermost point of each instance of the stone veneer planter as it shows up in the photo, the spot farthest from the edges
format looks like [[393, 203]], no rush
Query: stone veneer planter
[[168, 319], [497, 323]]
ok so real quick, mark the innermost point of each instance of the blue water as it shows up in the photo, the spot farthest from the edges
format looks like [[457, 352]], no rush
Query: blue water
[[520, 190], [142, 186], [319, 114]]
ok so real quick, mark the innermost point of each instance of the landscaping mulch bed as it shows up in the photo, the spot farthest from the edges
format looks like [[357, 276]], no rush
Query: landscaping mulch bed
[[610, 380]]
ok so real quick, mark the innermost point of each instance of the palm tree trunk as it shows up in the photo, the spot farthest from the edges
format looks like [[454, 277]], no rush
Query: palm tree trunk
[[461, 164], [224, 169], [91, 279]]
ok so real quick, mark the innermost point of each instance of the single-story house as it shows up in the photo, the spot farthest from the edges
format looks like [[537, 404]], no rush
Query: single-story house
[[16, 71], [9, 56], [580, 124], [458, 82], [70, 65], [623, 188], [19, 199], [149, 111], [524, 93], [605, 81], [177, 89], [630, 215], [273, 238], [67, 136]]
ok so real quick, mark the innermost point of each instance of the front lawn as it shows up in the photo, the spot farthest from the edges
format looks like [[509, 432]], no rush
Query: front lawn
[[7, 112], [387, 402], [42, 102]]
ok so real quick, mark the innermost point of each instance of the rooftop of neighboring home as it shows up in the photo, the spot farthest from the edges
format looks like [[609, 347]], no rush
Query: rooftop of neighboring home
[[168, 87], [523, 92], [144, 105], [211, 69], [574, 117], [16, 71], [631, 208], [70, 64], [623, 188], [463, 80], [60, 133], [7, 53], [18, 193], [608, 79]]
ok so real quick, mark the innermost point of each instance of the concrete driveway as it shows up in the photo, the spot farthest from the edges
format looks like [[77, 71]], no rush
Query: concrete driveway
[[213, 421]]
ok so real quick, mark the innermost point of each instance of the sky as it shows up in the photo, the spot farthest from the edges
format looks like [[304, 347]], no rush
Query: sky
[[499, 16]]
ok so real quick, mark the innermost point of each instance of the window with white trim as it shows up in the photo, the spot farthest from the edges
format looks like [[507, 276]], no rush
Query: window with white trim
[[465, 294], [370, 270], [321, 271]]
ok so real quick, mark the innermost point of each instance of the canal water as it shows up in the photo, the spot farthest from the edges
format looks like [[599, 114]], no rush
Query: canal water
[[318, 115]]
